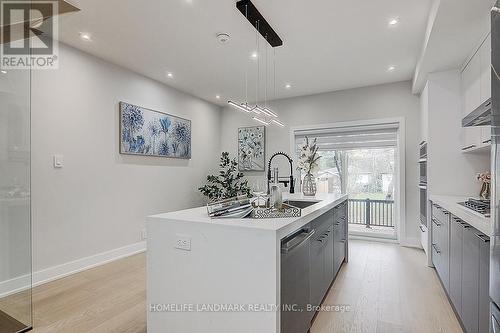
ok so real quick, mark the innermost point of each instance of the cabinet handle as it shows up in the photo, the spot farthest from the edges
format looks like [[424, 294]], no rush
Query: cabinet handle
[[468, 147], [304, 237], [487, 141], [421, 228], [436, 222], [436, 249], [483, 238], [494, 324], [465, 226]]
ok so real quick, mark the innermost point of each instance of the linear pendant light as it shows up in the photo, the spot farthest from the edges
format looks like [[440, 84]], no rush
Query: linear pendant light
[[240, 107], [262, 121], [277, 122], [264, 114]]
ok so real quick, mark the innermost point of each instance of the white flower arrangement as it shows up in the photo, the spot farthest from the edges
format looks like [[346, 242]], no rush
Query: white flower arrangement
[[484, 177], [308, 157]]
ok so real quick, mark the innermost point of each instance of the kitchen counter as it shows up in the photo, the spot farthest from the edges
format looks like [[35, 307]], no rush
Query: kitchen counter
[[282, 227], [476, 220], [228, 262]]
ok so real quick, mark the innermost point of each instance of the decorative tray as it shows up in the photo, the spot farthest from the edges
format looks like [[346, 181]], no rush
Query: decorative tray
[[273, 213]]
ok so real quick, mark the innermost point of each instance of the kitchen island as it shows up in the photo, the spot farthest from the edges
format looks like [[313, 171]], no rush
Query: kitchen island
[[225, 275]]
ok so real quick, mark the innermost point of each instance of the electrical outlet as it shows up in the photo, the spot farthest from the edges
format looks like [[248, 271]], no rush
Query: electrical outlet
[[183, 242], [144, 234]]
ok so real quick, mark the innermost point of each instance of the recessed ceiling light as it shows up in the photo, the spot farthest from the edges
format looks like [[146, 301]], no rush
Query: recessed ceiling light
[[391, 68], [255, 55], [288, 86], [3, 72], [393, 22], [86, 36], [217, 96], [170, 75]]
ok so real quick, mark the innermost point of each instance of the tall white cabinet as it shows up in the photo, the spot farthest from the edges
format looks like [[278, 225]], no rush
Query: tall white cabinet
[[475, 90]]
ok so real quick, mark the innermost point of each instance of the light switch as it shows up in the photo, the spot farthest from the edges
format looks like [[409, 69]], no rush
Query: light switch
[[58, 161]]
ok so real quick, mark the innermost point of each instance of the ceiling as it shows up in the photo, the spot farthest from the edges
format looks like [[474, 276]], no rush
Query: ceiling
[[454, 29], [328, 44]]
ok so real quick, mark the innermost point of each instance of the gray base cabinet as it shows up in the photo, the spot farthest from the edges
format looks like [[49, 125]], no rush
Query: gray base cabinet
[[440, 244], [295, 288], [340, 237], [484, 284], [470, 281], [456, 249], [308, 271], [318, 269], [461, 256]]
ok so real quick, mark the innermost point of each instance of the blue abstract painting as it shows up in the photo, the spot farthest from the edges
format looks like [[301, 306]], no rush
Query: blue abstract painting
[[152, 133]]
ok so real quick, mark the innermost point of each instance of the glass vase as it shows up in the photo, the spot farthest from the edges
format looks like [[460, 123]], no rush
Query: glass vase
[[309, 185]]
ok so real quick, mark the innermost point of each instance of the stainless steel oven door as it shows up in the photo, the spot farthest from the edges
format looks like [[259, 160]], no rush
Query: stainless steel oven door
[[423, 171], [423, 203]]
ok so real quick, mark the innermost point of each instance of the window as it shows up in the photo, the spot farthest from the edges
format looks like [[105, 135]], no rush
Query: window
[[362, 162]]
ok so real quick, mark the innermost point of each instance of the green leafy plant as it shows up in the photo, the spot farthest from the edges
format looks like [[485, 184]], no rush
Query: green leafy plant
[[228, 184]]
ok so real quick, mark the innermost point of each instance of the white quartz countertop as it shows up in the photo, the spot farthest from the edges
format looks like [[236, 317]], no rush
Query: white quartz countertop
[[450, 203], [282, 226]]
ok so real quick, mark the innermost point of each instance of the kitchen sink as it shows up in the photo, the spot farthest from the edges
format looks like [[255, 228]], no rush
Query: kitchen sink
[[300, 203]]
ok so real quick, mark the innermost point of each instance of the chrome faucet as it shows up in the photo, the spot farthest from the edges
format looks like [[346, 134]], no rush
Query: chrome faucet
[[285, 182]]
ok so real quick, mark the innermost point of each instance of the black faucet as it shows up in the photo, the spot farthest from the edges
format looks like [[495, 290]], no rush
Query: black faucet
[[285, 182]]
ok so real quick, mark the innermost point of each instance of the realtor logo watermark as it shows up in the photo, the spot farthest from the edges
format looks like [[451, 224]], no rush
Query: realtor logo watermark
[[29, 34]]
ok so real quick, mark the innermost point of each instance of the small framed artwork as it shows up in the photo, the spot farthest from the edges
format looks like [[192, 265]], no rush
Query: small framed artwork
[[152, 133], [252, 148]]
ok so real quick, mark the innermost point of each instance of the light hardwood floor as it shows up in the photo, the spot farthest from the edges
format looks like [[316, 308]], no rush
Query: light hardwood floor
[[388, 288]]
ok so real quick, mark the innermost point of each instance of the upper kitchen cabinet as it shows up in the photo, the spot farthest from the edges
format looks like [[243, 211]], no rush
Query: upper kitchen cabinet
[[485, 55], [476, 89], [471, 85]]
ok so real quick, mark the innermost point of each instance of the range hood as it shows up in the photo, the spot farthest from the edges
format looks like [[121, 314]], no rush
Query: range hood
[[480, 116]]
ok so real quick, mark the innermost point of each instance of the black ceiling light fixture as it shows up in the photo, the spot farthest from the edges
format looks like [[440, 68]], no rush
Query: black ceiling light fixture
[[252, 14], [264, 114]]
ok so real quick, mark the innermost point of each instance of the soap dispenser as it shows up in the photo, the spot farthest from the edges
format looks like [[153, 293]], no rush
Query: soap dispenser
[[275, 198]]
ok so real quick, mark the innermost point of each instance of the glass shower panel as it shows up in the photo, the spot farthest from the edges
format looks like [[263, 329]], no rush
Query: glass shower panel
[[15, 205]]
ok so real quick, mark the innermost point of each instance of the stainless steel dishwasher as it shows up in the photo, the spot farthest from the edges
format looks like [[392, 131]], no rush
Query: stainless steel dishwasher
[[295, 289]]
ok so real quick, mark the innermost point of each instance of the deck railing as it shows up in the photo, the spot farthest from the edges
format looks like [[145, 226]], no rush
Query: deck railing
[[371, 212]]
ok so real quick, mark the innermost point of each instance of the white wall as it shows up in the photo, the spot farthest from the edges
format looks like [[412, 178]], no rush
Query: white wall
[[450, 172], [383, 101], [99, 200]]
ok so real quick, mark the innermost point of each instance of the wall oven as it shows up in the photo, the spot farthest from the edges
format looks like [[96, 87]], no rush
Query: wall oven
[[423, 182], [423, 204]]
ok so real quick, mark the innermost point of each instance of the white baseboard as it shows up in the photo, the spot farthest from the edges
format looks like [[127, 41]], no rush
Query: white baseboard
[[14, 285], [373, 239], [412, 242], [408, 242], [21, 283]]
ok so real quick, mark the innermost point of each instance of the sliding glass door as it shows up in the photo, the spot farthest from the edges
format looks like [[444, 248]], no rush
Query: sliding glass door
[[367, 175], [15, 211], [360, 161]]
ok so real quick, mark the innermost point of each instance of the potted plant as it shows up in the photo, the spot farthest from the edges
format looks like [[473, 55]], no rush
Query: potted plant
[[228, 184], [308, 162]]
